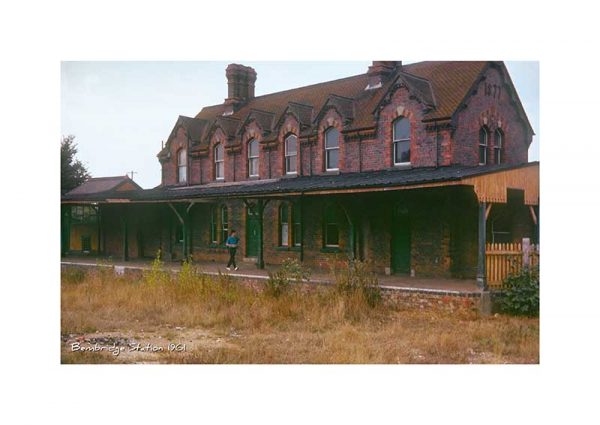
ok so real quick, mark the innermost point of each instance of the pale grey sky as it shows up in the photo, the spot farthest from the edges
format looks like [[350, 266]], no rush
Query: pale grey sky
[[121, 111]]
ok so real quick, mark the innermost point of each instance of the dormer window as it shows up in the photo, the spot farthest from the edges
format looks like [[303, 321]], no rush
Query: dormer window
[[219, 162], [332, 149], [483, 145], [401, 141], [181, 166], [253, 158], [498, 145], [291, 153]]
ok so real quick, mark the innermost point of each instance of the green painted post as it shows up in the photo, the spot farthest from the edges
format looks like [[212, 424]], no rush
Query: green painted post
[[125, 235], [260, 263], [98, 250], [66, 229], [481, 271], [301, 228]]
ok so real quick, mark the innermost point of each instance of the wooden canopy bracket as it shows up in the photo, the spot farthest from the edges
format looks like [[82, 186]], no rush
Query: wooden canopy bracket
[[533, 215], [487, 210], [187, 210], [176, 213]]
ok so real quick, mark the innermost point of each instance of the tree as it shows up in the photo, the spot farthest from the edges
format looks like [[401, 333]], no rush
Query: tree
[[72, 171]]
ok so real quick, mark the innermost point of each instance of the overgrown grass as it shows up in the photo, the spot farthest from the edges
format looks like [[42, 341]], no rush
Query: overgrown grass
[[226, 321]]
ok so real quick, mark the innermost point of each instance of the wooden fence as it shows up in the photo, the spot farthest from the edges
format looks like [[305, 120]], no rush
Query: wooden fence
[[503, 259]]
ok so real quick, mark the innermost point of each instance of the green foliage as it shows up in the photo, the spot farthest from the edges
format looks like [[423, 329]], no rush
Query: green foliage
[[356, 278], [521, 293], [157, 275], [279, 281], [72, 171]]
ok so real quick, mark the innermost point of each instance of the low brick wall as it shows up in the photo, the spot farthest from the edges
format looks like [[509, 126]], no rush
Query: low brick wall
[[450, 301]]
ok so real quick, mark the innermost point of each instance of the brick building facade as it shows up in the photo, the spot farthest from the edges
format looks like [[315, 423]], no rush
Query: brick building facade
[[391, 166]]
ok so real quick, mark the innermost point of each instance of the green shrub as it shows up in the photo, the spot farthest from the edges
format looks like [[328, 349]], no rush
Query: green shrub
[[156, 275], [279, 281], [356, 277], [521, 293]]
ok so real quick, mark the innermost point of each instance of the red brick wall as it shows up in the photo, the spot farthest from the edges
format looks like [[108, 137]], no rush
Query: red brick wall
[[422, 142], [492, 106], [170, 167]]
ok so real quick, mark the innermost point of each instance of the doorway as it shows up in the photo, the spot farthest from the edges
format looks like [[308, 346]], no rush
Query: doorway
[[400, 240]]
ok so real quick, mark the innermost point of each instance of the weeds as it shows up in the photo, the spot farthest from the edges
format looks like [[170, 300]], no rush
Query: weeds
[[290, 271], [228, 321]]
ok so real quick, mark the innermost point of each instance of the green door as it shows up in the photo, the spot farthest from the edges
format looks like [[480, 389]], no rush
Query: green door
[[252, 240], [400, 240]]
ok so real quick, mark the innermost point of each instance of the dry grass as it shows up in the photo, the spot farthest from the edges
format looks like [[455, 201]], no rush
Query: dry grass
[[221, 321]]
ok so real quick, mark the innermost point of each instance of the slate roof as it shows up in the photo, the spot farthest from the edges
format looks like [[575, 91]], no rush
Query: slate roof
[[100, 188], [450, 82], [309, 184]]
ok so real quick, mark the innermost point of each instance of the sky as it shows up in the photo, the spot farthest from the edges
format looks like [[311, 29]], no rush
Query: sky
[[120, 112]]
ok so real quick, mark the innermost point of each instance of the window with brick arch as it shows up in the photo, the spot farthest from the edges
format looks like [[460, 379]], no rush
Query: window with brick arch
[[181, 166], [483, 145], [284, 228], [253, 158], [224, 223], [219, 159], [332, 149], [498, 146], [214, 225], [291, 154], [401, 141], [296, 226], [331, 231]]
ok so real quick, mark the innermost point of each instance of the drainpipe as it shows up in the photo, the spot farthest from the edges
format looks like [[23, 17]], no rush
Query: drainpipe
[[269, 158], [359, 152], [310, 157], [437, 148]]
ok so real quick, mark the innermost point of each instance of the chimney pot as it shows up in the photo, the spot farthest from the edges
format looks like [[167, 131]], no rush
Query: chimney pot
[[380, 70], [240, 83]]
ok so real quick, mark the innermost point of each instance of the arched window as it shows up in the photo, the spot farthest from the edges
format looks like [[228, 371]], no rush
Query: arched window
[[296, 226], [219, 162], [284, 228], [331, 231], [483, 145], [401, 140], [181, 165], [224, 223], [214, 225], [253, 158], [332, 149], [291, 153], [498, 145]]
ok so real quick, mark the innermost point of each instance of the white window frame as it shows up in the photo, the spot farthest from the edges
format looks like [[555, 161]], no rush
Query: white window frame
[[253, 158], [498, 146], [288, 155], [224, 227], [330, 149], [219, 163], [396, 141], [284, 226], [484, 145], [182, 166]]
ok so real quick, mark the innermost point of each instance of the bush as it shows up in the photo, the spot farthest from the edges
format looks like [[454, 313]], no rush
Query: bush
[[521, 293], [279, 281], [356, 277], [156, 275]]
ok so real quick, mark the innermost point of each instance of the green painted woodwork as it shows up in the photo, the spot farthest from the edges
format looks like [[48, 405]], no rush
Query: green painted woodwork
[[400, 240]]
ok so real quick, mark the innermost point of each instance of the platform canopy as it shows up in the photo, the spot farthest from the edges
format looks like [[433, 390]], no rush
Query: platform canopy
[[490, 184]]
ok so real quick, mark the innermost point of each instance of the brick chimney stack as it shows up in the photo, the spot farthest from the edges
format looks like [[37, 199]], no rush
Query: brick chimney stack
[[240, 83], [379, 71]]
